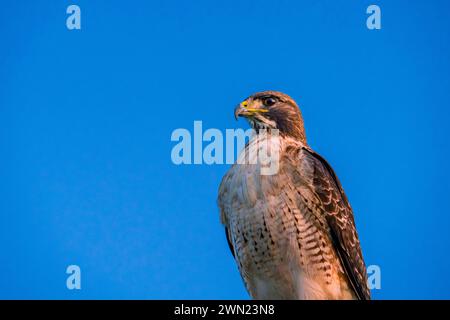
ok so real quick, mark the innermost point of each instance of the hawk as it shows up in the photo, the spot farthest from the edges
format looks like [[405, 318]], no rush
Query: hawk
[[291, 233]]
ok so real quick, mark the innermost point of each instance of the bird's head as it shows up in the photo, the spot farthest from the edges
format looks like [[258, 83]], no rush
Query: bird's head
[[273, 110]]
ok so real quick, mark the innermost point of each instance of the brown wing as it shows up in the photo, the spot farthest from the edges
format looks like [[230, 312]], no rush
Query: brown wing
[[339, 217]]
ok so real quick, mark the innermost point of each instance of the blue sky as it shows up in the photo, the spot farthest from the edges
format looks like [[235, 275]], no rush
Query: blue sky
[[86, 117]]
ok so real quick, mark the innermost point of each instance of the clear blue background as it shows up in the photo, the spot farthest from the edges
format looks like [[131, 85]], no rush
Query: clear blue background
[[86, 117]]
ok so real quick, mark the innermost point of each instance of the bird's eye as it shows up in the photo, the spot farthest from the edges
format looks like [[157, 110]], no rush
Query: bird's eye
[[269, 101]]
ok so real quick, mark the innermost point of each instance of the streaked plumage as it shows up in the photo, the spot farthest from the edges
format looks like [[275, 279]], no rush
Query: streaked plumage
[[292, 233]]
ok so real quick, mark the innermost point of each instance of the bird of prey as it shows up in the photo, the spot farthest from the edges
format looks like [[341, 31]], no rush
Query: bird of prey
[[291, 233]]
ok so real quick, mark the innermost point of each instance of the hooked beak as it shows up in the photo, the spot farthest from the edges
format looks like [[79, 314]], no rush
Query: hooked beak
[[243, 110], [239, 111]]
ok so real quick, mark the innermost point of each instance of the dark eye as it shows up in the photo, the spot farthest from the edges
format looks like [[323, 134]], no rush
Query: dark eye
[[269, 101]]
